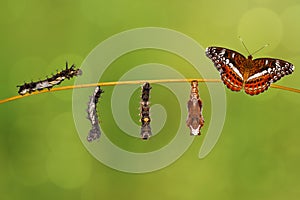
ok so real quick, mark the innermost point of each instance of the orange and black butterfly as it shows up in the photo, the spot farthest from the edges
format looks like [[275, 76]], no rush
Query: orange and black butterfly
[[238, 72]]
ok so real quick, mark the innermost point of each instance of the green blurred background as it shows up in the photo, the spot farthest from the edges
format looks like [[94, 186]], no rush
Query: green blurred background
[[41, 155]]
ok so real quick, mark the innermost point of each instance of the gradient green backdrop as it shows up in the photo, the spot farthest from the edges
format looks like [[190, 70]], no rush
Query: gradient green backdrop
[[41, 155]]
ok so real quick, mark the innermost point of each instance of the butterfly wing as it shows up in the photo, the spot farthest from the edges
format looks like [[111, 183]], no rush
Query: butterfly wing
[[264, 72], [230, 65]]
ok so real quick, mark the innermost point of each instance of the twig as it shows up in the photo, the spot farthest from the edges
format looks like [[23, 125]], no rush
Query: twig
[[130, 83]]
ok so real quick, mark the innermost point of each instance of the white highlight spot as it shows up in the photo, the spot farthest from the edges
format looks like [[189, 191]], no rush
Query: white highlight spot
[[24, 91], [270, 70], [277, 64], [227, 61], [195, 131], [222, 52], [267, 61]]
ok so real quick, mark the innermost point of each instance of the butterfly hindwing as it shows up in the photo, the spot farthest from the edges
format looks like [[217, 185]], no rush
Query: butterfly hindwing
[[257, 84]]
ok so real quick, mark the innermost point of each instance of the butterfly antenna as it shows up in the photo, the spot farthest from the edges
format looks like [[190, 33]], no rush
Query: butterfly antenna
[[260, 49], [244, 45]]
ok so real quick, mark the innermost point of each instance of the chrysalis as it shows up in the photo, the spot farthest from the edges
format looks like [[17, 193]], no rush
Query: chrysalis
[[94, 133], [145, 115], [195, 119]]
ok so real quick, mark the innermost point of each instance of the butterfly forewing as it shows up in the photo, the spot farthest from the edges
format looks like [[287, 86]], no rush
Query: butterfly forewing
[[229, 63], [274, 67]]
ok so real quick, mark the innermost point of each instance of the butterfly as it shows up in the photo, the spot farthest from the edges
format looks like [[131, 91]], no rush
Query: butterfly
[[238, 72]]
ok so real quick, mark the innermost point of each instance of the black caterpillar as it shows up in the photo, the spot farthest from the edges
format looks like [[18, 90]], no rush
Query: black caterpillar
[[92, 115], [145, 108], [49, 82]]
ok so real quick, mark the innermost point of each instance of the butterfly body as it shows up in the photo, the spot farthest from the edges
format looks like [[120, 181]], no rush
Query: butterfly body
[[254, 75]]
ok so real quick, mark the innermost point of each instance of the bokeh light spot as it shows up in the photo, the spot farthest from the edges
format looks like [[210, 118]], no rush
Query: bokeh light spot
[[260, 26], [290, 19]]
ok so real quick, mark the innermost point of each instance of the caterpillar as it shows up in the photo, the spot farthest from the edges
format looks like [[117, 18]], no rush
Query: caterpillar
[[144, 112], [49, 82], [195, 118], [94, 133]]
